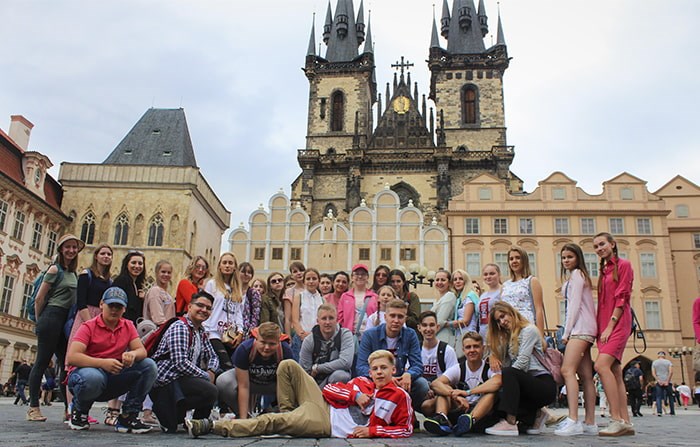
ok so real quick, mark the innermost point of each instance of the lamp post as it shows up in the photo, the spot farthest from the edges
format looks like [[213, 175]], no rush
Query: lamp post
[[419, 275], [679, 353]]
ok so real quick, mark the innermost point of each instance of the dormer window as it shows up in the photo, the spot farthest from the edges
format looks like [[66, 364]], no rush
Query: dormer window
[[37, 176]]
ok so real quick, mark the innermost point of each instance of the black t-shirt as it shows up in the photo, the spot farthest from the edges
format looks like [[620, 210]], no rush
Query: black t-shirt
[[23, 371], [261, 371]]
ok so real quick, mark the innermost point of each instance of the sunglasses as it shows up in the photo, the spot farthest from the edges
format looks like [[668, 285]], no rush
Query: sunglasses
[[276, 281], [202, 306]]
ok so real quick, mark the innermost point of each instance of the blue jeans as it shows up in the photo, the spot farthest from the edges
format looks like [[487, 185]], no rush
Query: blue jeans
[[20, 392], [662, 393], [419, 391], [90, 385]]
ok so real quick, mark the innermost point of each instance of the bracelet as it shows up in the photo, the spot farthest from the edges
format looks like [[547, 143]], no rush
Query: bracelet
[[469, 392], [614, 318]]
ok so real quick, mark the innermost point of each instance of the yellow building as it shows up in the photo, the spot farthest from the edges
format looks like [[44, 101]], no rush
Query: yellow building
[[31, 222], [147, 195]]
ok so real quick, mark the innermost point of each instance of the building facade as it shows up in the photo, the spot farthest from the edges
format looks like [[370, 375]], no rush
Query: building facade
[[31, 222], [148, 195]]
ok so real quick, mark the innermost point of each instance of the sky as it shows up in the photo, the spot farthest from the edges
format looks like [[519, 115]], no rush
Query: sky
[[594, 88]]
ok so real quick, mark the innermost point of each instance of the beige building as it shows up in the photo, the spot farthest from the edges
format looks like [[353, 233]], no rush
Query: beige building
[[31, 222], [485, 220], [147, 195]]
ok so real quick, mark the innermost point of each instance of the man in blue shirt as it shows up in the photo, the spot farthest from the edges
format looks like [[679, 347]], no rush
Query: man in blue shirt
[[401, 341]]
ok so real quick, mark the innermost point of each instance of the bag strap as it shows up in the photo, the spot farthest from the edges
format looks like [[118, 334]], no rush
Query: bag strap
[[361, 318], [638, 334]]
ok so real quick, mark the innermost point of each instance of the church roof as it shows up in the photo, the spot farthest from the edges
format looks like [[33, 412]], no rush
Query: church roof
[[344, 33], [160, 138]]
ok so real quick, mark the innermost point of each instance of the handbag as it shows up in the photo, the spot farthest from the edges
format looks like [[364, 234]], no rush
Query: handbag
[[233, 335], [637, 333], [552, 361]]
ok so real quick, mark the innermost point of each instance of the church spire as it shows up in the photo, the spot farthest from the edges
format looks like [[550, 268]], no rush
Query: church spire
[[342, 40], [360, 26], [328, 24], [483, 20], [445, 20], [500, 38], [434, 39], [369, 46], [464, 35], [312, 39]]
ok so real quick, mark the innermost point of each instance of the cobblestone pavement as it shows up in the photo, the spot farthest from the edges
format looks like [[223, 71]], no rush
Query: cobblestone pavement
[[680, 430]]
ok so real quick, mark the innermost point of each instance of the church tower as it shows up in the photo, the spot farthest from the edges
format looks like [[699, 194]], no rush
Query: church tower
[[466, 85]]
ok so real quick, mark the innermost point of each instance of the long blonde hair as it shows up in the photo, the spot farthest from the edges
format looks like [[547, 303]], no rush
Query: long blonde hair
[[500, 339], [234, 283], [524, 262]]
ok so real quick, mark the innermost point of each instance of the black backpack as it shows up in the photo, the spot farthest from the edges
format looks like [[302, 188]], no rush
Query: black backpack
[[316, 331], [462, 384], [631, 380]]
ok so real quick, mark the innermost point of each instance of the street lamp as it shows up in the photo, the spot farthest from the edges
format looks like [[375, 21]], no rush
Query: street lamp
[[419, 275], [679, 353]]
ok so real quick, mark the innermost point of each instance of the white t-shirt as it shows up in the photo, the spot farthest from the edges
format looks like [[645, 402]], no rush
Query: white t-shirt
[[431, 367], [472, 378]]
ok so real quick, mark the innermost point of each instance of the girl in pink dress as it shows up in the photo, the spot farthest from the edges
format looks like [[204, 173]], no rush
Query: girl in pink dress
[[614, 326]]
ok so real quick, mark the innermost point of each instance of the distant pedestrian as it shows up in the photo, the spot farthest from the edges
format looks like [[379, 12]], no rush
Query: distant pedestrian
[[684, 391], [22, 374], [662, 370]]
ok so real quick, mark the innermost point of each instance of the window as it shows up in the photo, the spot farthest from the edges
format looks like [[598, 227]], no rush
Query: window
[[558, 193], [469, 104], [155, 231], [121, 230], [3, 214], [588, 225], [644, 225], [408, 254], [648, 262], [7, 287], [533, 263], [364, 254], [617, 225], [473, 264], [295, 254], [500, 225], [259, 254], [385, 254], [501, 260], [696, 240], [526, 225], [591, 261], [558, 266], [484, 193], [337, 111], [28, 290], [277, 253], [561, 225], [471, 225], [562, 311], [36, 237], [18, 231], [51, 244], [652, 314], [626, 194], [682, 211], [87, 232]]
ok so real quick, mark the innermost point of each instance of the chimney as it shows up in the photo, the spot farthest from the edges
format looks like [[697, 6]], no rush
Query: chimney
[[20, 129]]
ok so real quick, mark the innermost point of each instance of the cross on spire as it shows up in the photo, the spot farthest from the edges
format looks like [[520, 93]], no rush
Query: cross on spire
[[402, 65]]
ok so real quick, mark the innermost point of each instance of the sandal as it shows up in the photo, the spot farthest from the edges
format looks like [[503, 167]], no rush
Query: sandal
[[111, 415], [34, 415]]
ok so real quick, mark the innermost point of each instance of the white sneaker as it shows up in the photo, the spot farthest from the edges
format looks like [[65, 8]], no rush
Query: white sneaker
[[590, 430], [539, 424], [569, 427]]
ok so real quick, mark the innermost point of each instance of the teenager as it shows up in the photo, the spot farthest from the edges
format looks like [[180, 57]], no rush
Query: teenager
[[159, 305], [397, 279], [444, 306], [325, 284], [296, 274], [304, 309], [614, 320], [306, 411], [357, 303], [380, 278], [385, 294], [437, 357], [523, 291], [132, 279], [271, 308], [327, 353], [196, 275], [341, 281], [465, 317], [491, 274]]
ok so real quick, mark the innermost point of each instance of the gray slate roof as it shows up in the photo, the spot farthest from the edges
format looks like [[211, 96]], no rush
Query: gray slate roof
[[159, 138]]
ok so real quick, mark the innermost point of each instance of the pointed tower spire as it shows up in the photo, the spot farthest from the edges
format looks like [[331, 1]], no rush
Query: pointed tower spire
[[328, 24], [483, 20], [434, 39], [408, 80], [360, 24], [415, 91], [388, 94], [445, 21], [423, 110], [342, 42], [379, 104], [369, 46], [465, 30], [312, 39], [500, 38]]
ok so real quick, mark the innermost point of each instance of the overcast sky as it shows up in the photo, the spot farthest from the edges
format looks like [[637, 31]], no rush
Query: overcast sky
[[594, 87]]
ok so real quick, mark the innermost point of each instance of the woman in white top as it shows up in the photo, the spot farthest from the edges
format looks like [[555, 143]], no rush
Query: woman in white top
[[159, 305], [492, 279], [227, 310], [523, 291], [580, 330], [444, 307], [304, 308]]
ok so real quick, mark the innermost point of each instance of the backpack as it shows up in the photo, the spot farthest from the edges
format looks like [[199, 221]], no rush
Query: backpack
[[316, 331], [462, 384], [631, 380], [152, 339], [29, 306], [552, 361], [442, 347]]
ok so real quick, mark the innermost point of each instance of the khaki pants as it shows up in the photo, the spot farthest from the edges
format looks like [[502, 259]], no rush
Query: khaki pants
[[303, 411]]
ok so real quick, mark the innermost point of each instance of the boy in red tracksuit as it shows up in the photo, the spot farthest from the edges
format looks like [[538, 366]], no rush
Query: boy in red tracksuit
[[361, 408]]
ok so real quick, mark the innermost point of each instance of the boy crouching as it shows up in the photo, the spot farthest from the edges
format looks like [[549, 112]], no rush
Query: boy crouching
[[361, 408]]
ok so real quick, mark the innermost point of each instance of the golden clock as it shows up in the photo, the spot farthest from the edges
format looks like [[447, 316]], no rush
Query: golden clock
[[401, 104]]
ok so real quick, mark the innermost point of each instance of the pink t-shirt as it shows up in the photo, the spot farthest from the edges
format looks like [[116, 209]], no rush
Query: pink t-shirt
[[103, 342]]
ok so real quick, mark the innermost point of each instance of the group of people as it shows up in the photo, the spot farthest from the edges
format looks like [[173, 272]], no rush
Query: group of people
[[311, 354]]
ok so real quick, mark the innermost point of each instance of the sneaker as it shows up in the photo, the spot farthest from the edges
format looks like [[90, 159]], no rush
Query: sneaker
[[569, 427], [590, 429], [503, 428], [130, 423], [438, 425], [78, 421], [538, 426], [629, 428], [614, 428], [92, 420], [198, 427], [465, 422], [34, 415], [555, 420]]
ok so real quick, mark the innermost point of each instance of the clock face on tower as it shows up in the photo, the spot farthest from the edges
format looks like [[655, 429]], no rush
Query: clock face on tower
[[401, 104]]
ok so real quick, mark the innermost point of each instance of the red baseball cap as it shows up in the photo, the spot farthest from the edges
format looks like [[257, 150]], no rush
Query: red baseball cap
[[358, 267]]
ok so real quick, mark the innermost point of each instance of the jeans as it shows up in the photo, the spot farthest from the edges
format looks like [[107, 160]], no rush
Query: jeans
[[50, 340], [90, 385], [20, 392], [171, 401], [419, 391], [663, 392]]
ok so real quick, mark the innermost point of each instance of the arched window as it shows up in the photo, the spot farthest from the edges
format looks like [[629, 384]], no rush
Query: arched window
[[121, 230], [87, 231], [337, 111], [470, 98], [155, 231]]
